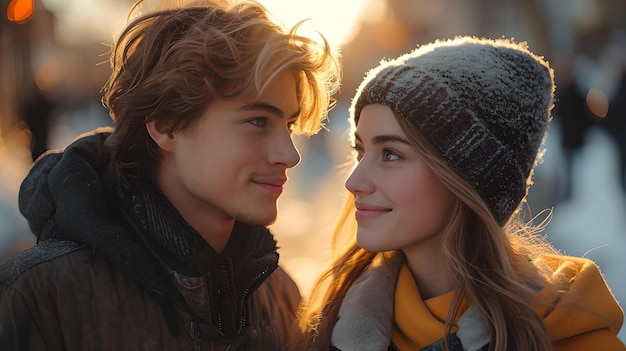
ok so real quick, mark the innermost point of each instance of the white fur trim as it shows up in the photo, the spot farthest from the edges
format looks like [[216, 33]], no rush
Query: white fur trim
[[366, 314], [472, 332]]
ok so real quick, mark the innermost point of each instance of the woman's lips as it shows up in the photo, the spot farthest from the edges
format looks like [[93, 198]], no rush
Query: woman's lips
[[366, 211]]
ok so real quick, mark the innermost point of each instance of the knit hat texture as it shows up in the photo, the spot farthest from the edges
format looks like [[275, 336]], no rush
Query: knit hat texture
[[484, 103]]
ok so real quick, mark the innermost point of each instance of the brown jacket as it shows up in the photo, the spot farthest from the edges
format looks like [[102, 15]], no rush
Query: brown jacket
[[63, 296]]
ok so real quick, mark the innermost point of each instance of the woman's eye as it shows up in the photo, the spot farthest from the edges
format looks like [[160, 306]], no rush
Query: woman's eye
[[389, 155]]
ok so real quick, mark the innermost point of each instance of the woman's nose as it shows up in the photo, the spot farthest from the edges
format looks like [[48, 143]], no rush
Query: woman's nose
[[359, 182]]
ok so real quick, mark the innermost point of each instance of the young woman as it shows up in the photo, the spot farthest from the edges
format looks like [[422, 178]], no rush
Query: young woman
[[446, 140]]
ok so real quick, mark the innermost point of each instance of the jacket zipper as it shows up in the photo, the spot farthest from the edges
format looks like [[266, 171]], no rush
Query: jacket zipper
[[244, 295], [194, 332]]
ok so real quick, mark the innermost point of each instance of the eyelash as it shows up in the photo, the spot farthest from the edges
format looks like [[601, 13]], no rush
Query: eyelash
[[387, 152], [261, 122], [258, 122]]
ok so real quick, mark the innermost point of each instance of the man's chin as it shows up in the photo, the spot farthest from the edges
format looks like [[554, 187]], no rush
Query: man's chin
[[257, 220]]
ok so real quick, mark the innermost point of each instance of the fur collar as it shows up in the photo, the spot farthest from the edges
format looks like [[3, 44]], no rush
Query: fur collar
[[366, 315]]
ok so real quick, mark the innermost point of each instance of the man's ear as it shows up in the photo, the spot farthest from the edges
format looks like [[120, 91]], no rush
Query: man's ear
[[161, 135]]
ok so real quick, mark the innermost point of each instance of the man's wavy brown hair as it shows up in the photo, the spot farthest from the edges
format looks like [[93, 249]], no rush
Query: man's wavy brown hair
[[168, 65]]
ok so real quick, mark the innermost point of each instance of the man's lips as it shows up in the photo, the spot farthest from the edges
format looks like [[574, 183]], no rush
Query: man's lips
[[272, 184], [366, 211]]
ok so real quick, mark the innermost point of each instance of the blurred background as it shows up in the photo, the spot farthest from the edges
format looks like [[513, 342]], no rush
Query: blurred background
[[54, 63]]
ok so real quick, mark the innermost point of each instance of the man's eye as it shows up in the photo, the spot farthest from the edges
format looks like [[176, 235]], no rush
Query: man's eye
[[259, 122]]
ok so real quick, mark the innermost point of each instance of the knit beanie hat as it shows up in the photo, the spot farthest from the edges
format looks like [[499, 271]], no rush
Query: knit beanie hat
[[484, 103]]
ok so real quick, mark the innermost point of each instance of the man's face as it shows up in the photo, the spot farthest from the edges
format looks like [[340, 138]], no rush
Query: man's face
[[231, 163]]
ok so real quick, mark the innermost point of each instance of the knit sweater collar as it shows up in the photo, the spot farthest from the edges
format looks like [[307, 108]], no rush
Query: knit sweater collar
[[165, 232]]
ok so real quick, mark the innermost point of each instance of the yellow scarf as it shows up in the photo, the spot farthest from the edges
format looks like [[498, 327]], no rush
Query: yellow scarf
[[419, 323]]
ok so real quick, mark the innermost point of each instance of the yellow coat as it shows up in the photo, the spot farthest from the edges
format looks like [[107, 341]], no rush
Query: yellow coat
[[383, 306], [578, 309]]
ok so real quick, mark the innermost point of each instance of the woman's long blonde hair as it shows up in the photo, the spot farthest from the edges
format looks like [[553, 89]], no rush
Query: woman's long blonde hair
[[490, 265]]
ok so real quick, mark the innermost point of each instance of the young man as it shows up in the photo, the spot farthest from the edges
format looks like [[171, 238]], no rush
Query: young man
[[152, 235]]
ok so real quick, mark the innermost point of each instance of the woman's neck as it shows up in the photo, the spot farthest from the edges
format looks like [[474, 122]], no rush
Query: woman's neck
[[429, 269]]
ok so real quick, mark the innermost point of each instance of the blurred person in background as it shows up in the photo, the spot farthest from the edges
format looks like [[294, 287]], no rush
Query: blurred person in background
[[590, 96], [431, 250], [152, 235]]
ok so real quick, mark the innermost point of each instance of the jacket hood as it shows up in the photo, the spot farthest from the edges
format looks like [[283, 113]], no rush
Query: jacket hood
[[576, 300], [55, 180], [63, 197]]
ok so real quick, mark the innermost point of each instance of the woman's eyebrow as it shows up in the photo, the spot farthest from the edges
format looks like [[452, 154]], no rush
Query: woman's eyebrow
[[379, 139], [387, 138]]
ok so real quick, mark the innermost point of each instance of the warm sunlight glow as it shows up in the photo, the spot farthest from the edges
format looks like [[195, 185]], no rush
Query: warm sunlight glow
[[81, 22], [335, 19]]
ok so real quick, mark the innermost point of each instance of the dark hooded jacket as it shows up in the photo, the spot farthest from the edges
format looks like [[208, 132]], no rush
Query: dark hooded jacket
[[116, 267]]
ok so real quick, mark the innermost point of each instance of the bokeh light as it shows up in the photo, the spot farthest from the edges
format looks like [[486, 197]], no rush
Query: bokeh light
[[20, 11], [597, 102]]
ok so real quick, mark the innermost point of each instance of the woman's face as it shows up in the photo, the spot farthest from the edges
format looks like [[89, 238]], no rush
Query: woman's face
[[400, 202]]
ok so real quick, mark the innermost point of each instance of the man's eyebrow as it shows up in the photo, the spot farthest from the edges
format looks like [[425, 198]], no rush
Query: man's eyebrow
[[379, 139], [268, 108]]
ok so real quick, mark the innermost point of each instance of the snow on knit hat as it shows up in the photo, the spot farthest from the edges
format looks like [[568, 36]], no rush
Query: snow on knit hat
[[484, 103]]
